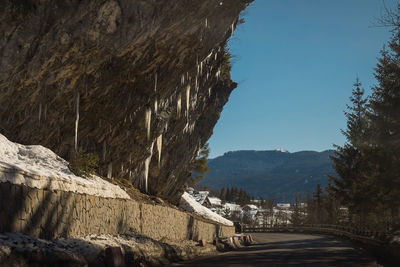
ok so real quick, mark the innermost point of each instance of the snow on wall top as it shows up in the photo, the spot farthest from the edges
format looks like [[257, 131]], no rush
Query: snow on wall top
[[188, 203], [39, 167]]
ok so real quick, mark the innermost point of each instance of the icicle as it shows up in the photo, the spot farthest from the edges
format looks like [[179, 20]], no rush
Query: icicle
[[194, 101], [45, 112], [218, 73], [148, 122], [77, 121], [191, 127], [40, 112], [109, 171], [156, 106], [159, 148], [183, 79], [209, 92], [209, 56], [206, 23], [155, 83], [104, 150], [179, 105], [187, 97], [186, 128], [232, 28], [215, 56], [146, 168]]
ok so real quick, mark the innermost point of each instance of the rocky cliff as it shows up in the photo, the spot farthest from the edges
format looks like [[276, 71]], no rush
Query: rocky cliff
[[141, 83]]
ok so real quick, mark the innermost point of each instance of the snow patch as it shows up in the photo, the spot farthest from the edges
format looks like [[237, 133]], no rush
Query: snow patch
[[39, 167], [188, 203]]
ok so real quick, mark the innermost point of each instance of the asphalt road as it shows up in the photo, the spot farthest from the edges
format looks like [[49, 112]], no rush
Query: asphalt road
[[281, 249]]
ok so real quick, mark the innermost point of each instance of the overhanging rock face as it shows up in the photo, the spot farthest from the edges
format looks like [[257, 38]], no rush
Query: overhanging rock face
[[140, 83]]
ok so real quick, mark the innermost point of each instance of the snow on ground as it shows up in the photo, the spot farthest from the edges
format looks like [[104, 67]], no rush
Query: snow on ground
[[39, 167], [89, 247], [89, 250], [188, 203]]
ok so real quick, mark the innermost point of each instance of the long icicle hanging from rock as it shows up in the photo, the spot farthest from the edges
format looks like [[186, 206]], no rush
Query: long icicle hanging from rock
[[146, 169], [148, 121], [159, 148], [76, 121]]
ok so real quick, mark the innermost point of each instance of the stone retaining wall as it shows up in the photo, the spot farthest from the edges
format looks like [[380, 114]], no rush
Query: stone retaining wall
[[49, 214]]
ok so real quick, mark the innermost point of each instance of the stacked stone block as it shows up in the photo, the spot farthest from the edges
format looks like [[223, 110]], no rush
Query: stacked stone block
[[54, 214]]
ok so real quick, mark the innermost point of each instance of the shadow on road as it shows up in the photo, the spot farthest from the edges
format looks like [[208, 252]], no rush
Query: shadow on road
[[290, 250]]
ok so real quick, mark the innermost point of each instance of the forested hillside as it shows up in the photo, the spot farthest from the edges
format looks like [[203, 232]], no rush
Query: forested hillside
[[275, 174]]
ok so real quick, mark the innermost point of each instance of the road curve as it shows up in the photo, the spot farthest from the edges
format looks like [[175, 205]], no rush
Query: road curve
[[284, 249]]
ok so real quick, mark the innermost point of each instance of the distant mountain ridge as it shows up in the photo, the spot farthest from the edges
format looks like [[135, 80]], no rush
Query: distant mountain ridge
[[272, 173]]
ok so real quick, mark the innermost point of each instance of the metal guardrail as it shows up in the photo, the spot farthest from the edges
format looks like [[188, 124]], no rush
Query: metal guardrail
[[341, 230]]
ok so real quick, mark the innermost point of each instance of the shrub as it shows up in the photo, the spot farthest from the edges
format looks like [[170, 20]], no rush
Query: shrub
[[82, 163], [226, 65]]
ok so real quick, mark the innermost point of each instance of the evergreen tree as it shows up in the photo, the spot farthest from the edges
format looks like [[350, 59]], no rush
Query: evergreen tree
[[223, 194], [262, 203], [228, 195], [270, 208], [356, 117], [318, 203], [242, 197], [297, 216], [332, 207], [351, 186], [199, 165], [310, 211], [368, 165], [385, 122]]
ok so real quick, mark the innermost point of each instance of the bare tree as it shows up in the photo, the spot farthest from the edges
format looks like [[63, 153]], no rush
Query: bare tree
[[390, 18]]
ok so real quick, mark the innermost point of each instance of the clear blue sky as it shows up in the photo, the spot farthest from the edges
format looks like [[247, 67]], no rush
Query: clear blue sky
[[295, 64]]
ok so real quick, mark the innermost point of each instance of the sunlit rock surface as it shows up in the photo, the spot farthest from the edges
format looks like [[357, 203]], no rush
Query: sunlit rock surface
[[140, 83]]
